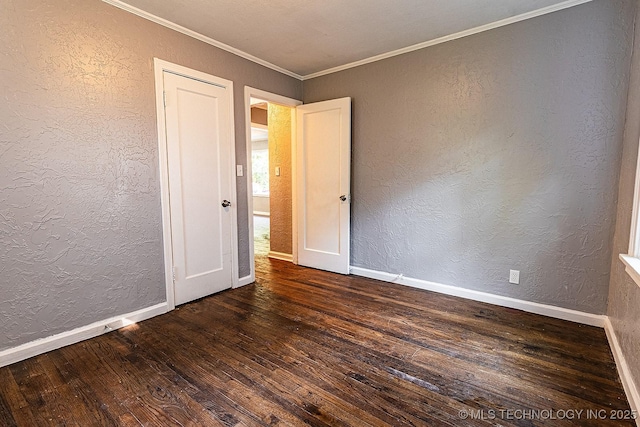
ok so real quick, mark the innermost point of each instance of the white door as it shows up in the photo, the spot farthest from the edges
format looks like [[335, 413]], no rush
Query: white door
[[323, 181], [198, 124]]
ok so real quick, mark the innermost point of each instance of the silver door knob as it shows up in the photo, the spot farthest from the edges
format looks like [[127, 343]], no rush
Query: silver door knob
[[226, 203], [343, 198]]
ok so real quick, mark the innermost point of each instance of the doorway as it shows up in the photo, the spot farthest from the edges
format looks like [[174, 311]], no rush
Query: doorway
[[260, 177], [271, 179], [270, 128], [320, 145]]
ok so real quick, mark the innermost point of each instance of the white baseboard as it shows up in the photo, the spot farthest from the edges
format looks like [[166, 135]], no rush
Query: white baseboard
[[43, 345], [280, 256], [531, 307], [246, 280], [628, 383]]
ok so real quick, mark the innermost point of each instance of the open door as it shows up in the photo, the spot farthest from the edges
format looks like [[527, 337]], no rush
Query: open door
[[323, 163]]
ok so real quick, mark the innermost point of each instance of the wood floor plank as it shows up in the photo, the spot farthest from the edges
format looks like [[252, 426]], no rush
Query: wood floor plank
[[396, 342], [238, 387], [301, 364], [148, 393], [400, 350], [308, 347]]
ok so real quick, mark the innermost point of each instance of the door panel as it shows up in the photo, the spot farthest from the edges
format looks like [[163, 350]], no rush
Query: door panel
[[198, 146], [324, 172]]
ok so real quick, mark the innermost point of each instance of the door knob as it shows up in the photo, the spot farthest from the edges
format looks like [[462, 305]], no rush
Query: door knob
[[226, 203], [343, 198]]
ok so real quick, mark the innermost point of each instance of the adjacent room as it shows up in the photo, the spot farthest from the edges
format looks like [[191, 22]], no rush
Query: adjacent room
[[362, 213]]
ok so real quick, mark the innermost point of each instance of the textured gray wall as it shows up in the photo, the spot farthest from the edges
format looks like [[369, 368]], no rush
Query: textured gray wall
[[497, 151], [624, 294], [80, 219]]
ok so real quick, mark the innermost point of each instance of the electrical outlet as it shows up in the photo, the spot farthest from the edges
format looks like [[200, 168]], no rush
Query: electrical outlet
[[514, 276], [239, 170]]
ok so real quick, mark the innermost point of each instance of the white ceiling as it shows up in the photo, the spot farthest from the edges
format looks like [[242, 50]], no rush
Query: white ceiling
[[307, 37]]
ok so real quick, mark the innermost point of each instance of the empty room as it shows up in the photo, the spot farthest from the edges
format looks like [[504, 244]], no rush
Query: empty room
[[443, 231]]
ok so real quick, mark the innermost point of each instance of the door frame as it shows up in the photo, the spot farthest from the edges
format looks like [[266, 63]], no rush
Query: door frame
[[160, 66], [250, 92]]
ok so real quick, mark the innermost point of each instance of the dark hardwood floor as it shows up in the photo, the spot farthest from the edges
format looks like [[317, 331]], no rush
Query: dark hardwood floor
[[306, 347]]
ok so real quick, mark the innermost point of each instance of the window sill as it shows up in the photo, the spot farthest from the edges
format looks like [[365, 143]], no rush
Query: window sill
[[632, 266]]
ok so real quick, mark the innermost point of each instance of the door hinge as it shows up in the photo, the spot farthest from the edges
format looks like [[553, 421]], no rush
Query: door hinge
[[174, 275], [164, 98]]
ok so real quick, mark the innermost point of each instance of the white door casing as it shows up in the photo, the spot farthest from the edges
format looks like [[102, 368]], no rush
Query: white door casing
[[196, 167], [323, 184]]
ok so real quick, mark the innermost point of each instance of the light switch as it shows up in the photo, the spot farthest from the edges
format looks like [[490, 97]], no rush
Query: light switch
[[239, 171], [277, 170]]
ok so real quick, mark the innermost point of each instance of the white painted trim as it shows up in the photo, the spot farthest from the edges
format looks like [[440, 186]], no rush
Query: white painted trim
[[281, 256], [630, 387], [246, 280], [179, 28], [259, 213], [458, 35], [294, 186], [634, 242], [269, 97], [163, 160], [250, 92], [159, 67], [43, 345], [249, 179], [632, 267], [528, 306], [233, 192]]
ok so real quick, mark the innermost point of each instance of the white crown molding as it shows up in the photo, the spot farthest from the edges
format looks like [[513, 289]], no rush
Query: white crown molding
[[623, 369], [179, 28], [43, 345], [461, 34], [496, 24], [528, 306]]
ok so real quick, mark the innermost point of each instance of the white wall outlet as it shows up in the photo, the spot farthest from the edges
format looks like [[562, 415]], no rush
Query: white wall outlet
[[239, 170], [514, 276]]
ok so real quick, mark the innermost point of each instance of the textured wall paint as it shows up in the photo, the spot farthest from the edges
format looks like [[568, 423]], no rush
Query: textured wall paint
[[624, 294], [497, 151], [280, 186], [80, 218]]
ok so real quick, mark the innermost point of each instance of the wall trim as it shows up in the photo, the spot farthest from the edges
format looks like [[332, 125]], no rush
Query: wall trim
[[246, 280], [490, 26], [54, 342], [528, 306], [179, 28], [630, 388], [444, 39], [281, 256]]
